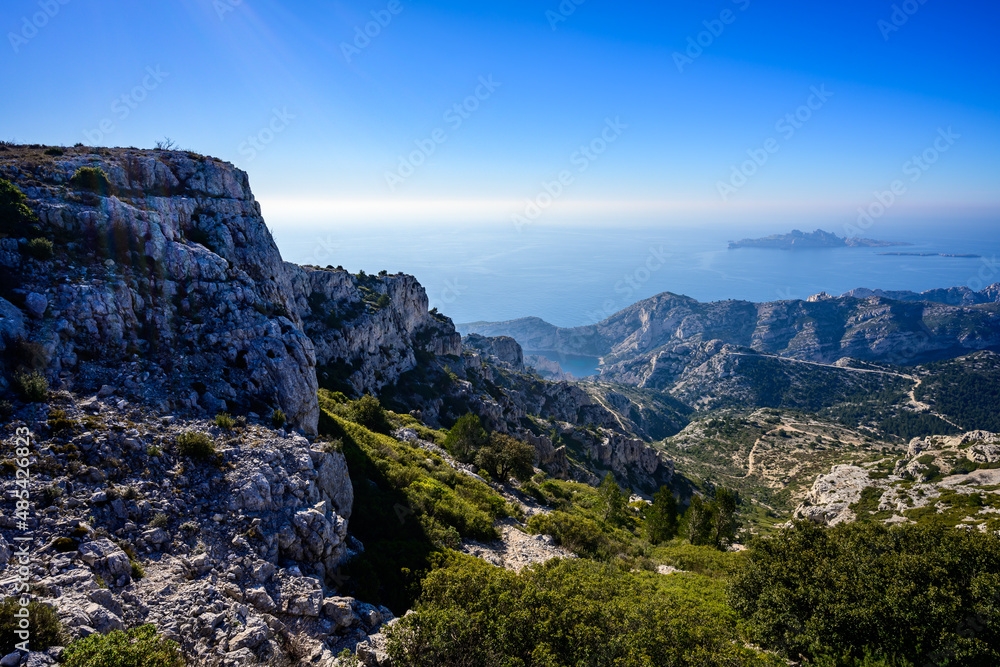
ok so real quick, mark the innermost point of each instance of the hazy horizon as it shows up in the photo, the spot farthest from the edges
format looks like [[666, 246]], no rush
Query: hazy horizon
[[583, 110]]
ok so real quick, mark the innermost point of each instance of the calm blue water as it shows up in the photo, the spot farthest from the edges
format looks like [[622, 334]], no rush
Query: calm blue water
[[575, 276]]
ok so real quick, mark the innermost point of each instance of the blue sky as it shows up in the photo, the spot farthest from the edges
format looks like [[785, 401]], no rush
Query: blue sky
[[335, 126]]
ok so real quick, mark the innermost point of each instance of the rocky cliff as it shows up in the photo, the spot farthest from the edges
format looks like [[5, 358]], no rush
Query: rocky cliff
[[166, 281]]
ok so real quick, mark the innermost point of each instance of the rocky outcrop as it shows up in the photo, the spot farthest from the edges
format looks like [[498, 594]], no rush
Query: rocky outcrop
[[503, 349], [899, 489], [168, 264], [547, 368], [236, 558]]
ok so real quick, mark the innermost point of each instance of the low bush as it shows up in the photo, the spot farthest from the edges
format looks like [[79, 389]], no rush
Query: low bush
[[225, 421], [195, 444], [140, 647], [580, 535], [32, 387], [368, 412], [92, 179], [16, 219], [41, 249], [278, 419], [43, 624]]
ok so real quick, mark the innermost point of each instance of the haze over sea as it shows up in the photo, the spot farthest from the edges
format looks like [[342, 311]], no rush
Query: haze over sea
[[572, 276]]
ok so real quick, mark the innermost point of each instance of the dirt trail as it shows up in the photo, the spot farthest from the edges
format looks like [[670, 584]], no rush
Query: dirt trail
[[918, 406], [617, 418]]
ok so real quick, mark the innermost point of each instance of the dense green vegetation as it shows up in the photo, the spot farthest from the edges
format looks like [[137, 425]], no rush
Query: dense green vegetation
[[139, 647], [568, 613], [967, 391], [861, 594], [919, 595], [408, 505]]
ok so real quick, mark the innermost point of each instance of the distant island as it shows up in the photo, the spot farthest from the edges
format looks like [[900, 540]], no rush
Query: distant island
[[797, 240], [929, 254]]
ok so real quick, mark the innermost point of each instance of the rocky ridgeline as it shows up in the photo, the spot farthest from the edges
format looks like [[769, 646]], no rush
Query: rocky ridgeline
[[236, 556], [652, 342], [169, 265], [952, 476]]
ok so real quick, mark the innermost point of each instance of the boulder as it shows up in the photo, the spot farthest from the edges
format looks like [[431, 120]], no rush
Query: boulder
[[107, 558]]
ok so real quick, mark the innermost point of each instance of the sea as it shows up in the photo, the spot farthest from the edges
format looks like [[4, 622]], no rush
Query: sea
[[572, 276]]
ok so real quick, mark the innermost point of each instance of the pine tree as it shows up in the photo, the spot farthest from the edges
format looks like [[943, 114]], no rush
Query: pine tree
[[466, 438], [614, 507], [661, 517]]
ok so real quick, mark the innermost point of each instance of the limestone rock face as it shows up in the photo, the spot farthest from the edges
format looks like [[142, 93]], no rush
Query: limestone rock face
[[367, 330], [503, 348], [168, 276]]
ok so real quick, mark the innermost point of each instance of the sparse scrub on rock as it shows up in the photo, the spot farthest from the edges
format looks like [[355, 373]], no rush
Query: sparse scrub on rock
[[225, 421], [195, 444], [40, 249], [93, 179], [32, 387]]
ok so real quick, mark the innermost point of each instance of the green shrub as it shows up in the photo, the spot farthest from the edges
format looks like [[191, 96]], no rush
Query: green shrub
[[93, 179], [43, 623], [568, 612], [580, 535], [160, 520], [138, 571], [32, 387], [195, 444], [278, 419], [140, 647], [16, 219], [40, 248], [910, 592], [55, 151], [368, 412], [225, 421], [65, 544]]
